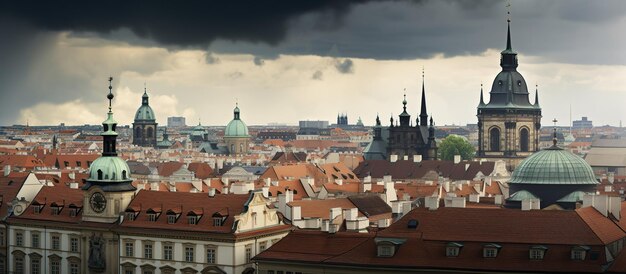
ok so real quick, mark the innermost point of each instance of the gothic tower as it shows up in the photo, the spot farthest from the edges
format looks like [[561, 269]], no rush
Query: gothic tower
[[145, 126], [508, 126]]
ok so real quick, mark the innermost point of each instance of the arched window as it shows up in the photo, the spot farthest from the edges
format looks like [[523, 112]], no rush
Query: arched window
[[149, 135], [138, 132], [124, 175], [523, 139], [494, 139], [232, 148], [99, 174]]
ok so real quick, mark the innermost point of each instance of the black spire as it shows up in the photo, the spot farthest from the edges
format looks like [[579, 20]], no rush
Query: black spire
[[377, 130], [109, 135], [236, 111], [423, 113], [508, 59]]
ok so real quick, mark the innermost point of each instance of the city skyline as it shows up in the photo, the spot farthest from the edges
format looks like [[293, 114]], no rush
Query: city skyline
[[321, 59]]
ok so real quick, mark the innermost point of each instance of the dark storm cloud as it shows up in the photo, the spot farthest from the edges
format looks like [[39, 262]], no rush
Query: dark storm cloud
[[345, 66], [173, 23]]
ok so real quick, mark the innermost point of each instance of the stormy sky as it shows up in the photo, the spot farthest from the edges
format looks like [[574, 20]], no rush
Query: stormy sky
[[285, 61]]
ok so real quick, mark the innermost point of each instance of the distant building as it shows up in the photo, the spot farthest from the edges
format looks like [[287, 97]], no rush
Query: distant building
[[607, 155], [508, 126], [313, 124], [145, 125], [583, 123], [176, 122], [236, 135]]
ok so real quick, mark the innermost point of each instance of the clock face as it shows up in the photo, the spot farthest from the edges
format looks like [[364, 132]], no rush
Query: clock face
[[98, 202]]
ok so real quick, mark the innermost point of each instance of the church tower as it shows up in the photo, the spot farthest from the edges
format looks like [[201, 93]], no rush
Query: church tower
[[236, 135], [508, 126], [145, 126], [106, 194]]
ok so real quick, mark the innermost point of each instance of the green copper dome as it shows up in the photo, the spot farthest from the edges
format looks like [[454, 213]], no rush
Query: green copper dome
[[553, 166], [236, 127], [144, 112], [109, 169]]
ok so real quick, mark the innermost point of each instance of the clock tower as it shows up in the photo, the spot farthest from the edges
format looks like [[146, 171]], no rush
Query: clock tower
[[108, 191]]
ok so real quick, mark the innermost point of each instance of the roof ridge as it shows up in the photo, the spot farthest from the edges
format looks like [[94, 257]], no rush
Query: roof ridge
[[586, 223], [365, 239]]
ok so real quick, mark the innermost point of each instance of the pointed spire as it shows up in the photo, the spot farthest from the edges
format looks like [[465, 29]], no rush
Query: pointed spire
[[508, 60], [423, 113], [536, 95], [108, 134], [482, 102], [377, 120], [110, 95], [554, 140], [508, 33], [404, 101]]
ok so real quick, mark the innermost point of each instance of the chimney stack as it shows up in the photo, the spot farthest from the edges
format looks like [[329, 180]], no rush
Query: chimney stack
[[457, 159], [393, 158]]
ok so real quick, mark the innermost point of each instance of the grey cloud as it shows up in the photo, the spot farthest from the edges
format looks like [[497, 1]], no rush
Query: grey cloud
[[210, 58], [345, 66], [258, 61]]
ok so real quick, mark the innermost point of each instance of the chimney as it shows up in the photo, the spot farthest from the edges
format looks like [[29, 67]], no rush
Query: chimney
[[393, 158], [211, 192], [474, 198], [289, 196], [296, 213], [611, 177], [367, 179], [406, 157], [339, 181], [387, 178], [498, 199], [457, 159], [266, 191], [417, 158], [431, 202], [334, 212], [615, 207], [351, 214], [267, 181], [366, 186], [7, 170], [74, 185], [406, 207]]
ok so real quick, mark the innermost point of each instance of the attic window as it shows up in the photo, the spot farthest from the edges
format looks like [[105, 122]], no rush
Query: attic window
[[130, 215], [124, 175], [192, 220], [412, 224], [218, 221], [537, 252], [171, 218], [453, 249], [491, 250], [579, 252], [56, 210], [66, 163], [519, 83], [386, 250], [37, 208]]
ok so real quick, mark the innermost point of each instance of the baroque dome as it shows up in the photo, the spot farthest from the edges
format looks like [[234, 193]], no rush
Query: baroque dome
[[144, 112], [109, 169], [236, 127], [554, 166]]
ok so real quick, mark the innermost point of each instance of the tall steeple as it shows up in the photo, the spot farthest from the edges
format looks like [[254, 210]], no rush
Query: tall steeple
[[423, 113], [508, 59], [109, 135], [144, 98], [236, 111]]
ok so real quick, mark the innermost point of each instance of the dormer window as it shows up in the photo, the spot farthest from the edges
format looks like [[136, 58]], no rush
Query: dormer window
[[152, 217], [56, 210], [579, 252], [453, 249], [491, 250], [192, 220], [537, 252], [153, 214], [171, 218], [37, 208], [217, 221], [130, 215], [387, 247]]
